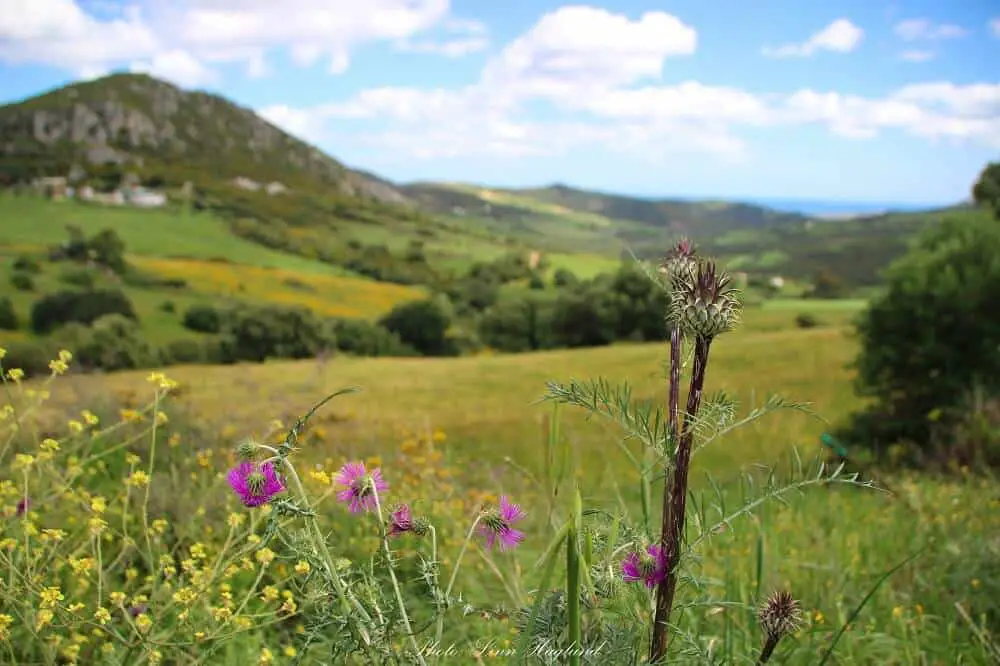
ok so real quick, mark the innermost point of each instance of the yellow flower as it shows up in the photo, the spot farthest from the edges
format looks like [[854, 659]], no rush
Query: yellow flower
[[290, 651], [266, 658], [117, 598], [143, 623], [51, 596], [23, 460], [897, 612], [15, 374], [302, 567], [97, 525], [102, 616], [98, 504], [5, 620], [75, 426], [137, 479], [65, 355], [235, 520], [265, 556], [132, 459], [3, 352], [49, 445], [58, 367], [43, 619], [159, 526], [89, 418], [270, 593]]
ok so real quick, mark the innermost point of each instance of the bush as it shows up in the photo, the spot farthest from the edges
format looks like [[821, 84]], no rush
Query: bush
[[27, 264], [77, 276], [806, 320], [931, 337], [168, 307], [22, 281], [203, 319], [85, 307], [518, 325], [259, 333], [184, 351], [113, 342], [362, 338], [9, 320], [32, 357], [422, 325]]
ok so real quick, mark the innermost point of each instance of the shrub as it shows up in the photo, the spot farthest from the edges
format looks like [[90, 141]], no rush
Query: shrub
[[77, 276], [113, 342], [931, 337], [203, 319], [806, 320], [27, 264], [184, 351], [259, 333], [363, 338], [30, 356], [22, 281], [168, 306], [519, 324], [63, 307], [422, 325], [9, 321]]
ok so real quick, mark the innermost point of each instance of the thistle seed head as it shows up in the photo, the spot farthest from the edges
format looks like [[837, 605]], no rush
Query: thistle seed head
[[705, 305], [680, 264], [779, 615]]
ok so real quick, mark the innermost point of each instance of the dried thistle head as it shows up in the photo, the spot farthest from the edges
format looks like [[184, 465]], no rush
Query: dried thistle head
[[779, 615], [706, 304], [680, 264]]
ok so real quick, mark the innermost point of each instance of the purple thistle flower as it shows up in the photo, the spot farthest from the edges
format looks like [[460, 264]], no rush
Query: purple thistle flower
[[400, 521], [649, 567], [496, 525], [21, 509], [255, 484], [361, 487]]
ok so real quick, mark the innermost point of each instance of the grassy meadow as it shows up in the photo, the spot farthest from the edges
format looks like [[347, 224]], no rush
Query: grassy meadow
[[451, 433]]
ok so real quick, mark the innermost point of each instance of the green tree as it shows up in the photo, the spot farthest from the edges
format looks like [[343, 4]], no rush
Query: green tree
[[932, 337], [421, 324], [986, 191], [9, 320]]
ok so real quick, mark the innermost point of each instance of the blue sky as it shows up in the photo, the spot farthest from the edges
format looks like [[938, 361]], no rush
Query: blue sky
[[861, 101]]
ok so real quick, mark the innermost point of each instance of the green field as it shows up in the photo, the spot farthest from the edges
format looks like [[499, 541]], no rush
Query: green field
[[828, 546]]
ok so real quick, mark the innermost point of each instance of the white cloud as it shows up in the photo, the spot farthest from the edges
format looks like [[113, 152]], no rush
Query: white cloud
[[995, 27], [597, 74], [464, 37], [183, 38], [921, 29], [916, 55], [578, 48], [176, 65], [841, 36]]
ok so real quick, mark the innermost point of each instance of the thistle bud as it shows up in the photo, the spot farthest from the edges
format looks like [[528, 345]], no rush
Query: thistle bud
[[680, 265], [706, 305], [246, 451], [779, 616]]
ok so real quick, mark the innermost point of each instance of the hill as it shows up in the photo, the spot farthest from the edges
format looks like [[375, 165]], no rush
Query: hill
[[137, 121], [131, 127]]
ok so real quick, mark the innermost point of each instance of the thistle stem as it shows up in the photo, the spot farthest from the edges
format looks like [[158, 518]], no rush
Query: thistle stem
[[769, 645], [676, 499], [451, 581]]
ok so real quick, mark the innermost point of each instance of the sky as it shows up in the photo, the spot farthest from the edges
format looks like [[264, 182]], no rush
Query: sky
[[855, 100]]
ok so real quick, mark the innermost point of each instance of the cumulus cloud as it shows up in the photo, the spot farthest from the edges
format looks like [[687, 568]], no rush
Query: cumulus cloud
[[182, 39], [598, 75], [841, 36]]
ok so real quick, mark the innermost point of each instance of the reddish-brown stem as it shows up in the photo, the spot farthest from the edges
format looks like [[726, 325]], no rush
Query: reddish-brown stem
[[675, 494]]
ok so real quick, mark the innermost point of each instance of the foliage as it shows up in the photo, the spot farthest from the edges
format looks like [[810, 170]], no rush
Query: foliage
[[931, 338], [63, 307], [806, 320], [203, 319], [986, 191], [422, 325], [9, 321], [22, 281]]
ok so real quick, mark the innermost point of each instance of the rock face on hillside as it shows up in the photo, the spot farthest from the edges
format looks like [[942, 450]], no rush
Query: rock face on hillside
[[131, 118]]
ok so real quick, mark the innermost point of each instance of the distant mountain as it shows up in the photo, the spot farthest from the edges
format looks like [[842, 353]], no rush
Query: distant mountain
[[141, 123]]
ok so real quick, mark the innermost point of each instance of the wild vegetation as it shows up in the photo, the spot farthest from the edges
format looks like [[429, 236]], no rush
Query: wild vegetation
[[656, 506]]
